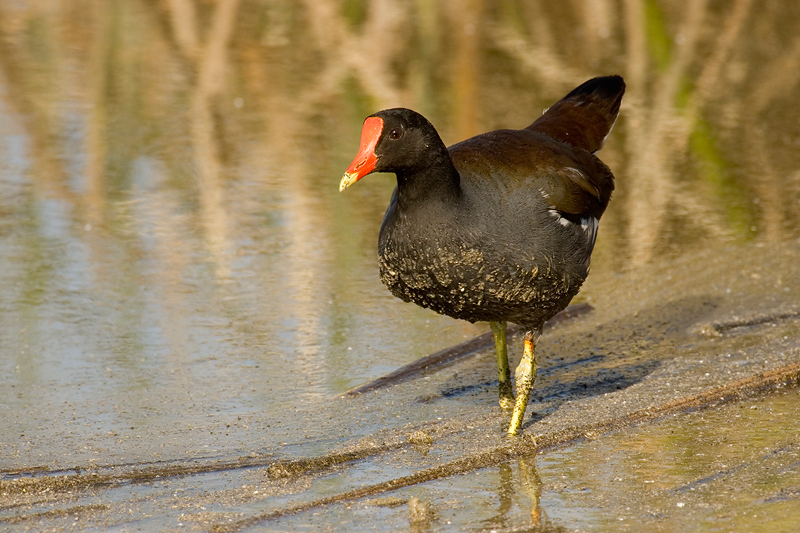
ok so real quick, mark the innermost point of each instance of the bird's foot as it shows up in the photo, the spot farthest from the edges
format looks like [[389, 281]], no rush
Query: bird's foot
[[507, 404]]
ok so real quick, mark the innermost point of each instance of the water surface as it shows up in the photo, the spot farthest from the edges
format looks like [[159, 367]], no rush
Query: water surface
[[180, 277]]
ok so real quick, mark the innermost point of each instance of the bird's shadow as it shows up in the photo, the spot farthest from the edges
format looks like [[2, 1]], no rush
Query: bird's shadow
[[592, 357]]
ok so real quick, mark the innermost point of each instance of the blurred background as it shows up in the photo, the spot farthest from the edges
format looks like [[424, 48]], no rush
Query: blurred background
[[180, 277], [172, 238]]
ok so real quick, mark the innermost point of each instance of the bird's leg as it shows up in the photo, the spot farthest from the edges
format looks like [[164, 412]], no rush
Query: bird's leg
[[524, 376], [503, 372]]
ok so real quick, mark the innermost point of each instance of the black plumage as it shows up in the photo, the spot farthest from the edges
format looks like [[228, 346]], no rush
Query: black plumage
[[499, 227]]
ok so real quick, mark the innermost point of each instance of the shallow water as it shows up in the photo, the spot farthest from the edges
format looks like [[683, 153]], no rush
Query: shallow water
[[181, 279], [735, 468]]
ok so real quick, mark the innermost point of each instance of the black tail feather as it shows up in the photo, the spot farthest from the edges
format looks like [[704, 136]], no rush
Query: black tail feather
[[585, 116]]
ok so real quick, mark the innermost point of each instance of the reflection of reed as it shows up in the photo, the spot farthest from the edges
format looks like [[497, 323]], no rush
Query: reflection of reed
[[183, 18], [26, 96], [468, 15], [651, 190], [366, 53], [598, 19], [710, 78], [212, 71], [389, 34], [308, 72], [777, 79], [543, 62], [96, 126], [769, 187], [660, 133]]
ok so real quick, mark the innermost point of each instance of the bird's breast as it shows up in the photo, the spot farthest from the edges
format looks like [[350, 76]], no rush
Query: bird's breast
[[438, 276], [461, 266]]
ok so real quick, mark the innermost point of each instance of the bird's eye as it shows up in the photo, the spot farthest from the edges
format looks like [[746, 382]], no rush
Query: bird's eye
[[395, 134]]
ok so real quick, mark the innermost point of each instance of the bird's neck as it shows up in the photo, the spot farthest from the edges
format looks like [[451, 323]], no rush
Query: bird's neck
[[438, 180]]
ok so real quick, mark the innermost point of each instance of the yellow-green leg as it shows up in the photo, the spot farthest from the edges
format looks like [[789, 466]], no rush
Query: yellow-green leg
[[524, 377], [503, 371]]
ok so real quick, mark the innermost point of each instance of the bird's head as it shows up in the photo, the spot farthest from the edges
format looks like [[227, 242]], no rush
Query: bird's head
[[392, 140]]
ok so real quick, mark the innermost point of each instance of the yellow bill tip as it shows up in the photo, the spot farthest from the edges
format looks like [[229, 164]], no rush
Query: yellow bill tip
[[347, 180]]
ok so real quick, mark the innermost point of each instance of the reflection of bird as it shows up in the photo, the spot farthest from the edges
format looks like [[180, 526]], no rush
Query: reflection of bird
[[499, 227]]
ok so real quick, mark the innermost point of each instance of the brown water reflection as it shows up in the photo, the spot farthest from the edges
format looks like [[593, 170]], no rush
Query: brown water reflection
[[176, 260]]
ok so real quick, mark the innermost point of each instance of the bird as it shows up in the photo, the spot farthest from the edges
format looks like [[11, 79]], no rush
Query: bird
[[499, 227]]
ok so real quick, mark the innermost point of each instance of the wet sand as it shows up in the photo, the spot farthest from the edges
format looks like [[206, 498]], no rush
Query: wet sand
[[675, 346]]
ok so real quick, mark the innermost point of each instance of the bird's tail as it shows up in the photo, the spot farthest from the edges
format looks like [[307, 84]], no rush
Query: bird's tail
[[585, 116]]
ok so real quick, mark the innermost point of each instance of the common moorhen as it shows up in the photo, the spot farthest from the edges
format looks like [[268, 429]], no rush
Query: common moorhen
[[499, 227]]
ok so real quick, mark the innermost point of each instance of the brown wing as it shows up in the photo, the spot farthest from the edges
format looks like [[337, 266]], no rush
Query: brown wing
[[571, 180]]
